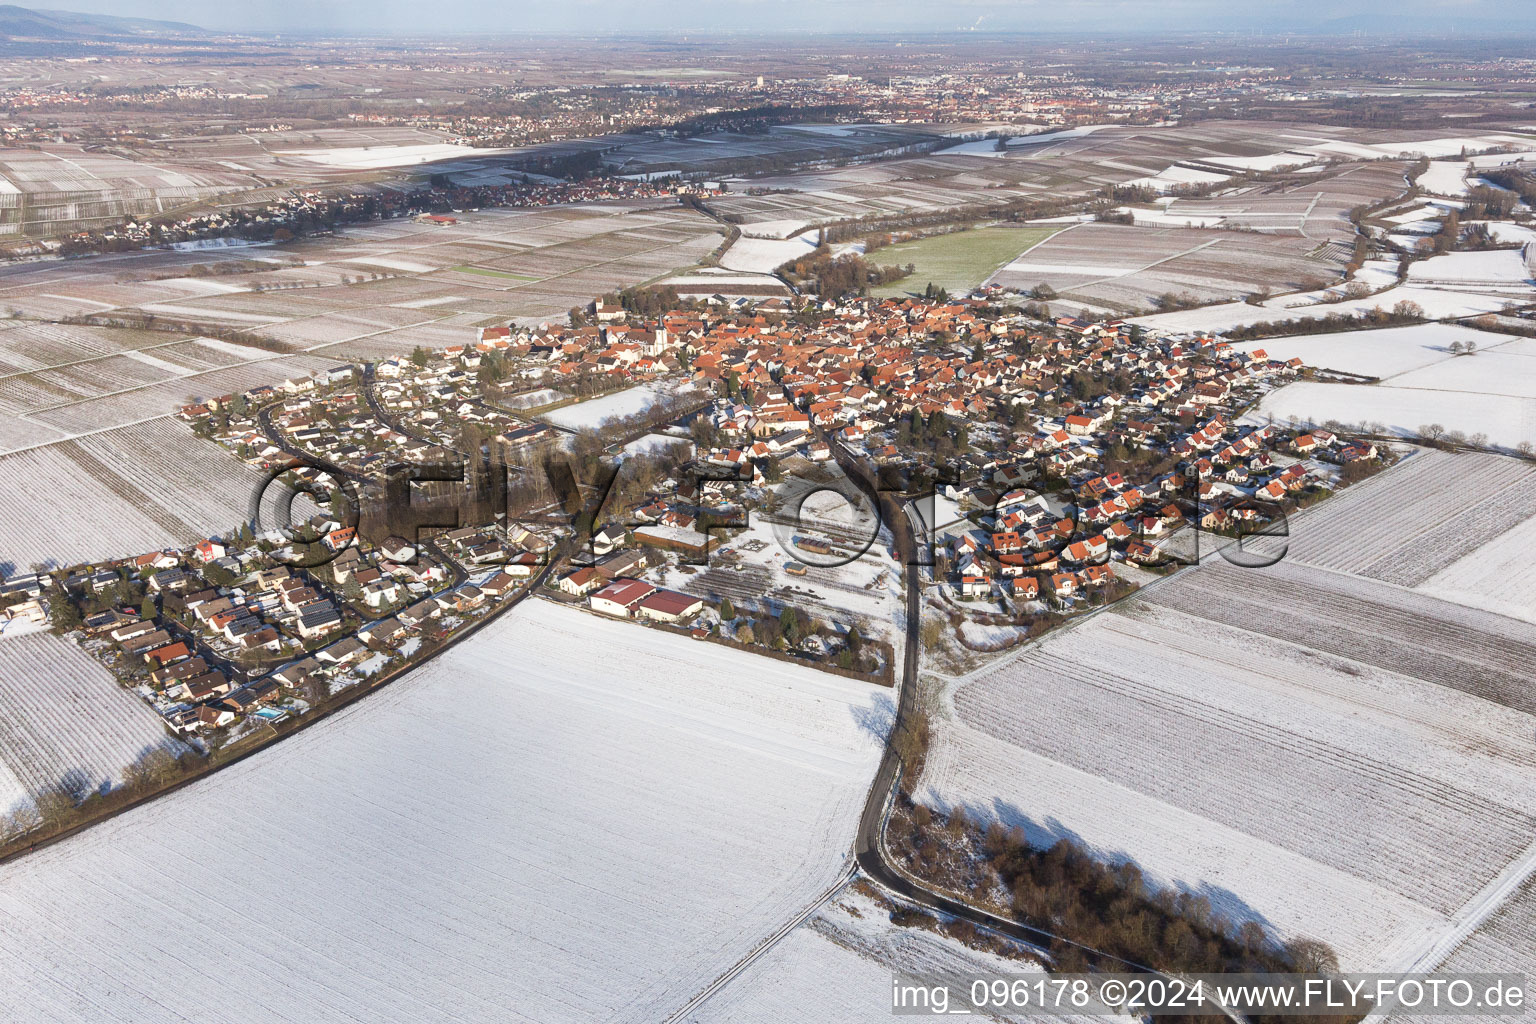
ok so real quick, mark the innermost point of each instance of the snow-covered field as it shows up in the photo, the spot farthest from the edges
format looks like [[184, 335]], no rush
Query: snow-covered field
[[1412, 521], [360, 158], [1312, 750], [1505, 233], [1457, 527], [1175, 175], [651, 444], [988, 147], [1492, 393], [762, 255], [120, 492], [1381, 353], [1311, 147], [1448, 286], [838, 966], [1500, 945], [563, 819], [1495, 268], [1497, 575], [64, 722], [1360, 732], [618, 405], [1445, 178]]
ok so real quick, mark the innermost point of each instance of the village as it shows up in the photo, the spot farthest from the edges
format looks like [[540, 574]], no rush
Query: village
[[749, 514], [1063, 462], [308, 212]]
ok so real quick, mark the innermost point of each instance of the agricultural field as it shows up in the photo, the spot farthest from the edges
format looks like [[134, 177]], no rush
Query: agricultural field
[[708, 281], [494, 265], [375, 290], [59, 187], [960, 261], [657, 804], [1500, 945], [1128, 267], [838, 966], [1314, 205], [1495, 575], [119, 492], [1383, 353], [1339, 742], [1362, 748], [764, 255], [66, 724], [1453, 289], [1492, 393], [1494, 270], [1456, 527], [1445, 178], [1407, 524]]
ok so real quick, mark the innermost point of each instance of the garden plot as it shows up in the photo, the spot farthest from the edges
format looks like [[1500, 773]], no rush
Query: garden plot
[[620, 404], [1303, 748], [66, 723], [576, 783]]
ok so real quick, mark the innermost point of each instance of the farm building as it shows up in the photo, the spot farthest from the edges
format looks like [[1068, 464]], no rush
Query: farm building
[[673, 538], [620, 597], [669, 606]]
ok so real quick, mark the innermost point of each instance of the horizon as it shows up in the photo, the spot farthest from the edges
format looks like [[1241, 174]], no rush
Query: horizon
[[1428, 19]]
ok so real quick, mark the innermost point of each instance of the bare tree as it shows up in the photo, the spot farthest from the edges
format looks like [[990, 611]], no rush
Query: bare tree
[[1312, 957]]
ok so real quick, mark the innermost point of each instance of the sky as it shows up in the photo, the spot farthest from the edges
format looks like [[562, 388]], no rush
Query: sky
[[513, 17]]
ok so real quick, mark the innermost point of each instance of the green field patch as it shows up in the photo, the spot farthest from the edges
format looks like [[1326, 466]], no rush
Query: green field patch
[[959, 261]]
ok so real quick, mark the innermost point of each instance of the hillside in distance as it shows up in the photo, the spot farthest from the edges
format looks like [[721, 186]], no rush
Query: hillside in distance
[[25, 23]]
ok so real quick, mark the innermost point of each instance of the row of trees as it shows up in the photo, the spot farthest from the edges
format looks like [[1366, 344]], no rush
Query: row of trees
[[1103, 914], [1404, 312]]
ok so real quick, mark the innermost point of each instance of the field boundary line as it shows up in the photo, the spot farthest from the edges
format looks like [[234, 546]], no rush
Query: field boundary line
[[735, 970], [1483, 905]]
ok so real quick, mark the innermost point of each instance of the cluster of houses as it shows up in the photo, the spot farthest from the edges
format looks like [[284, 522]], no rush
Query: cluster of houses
[[311, 210], [1125, 436], [215, 619]]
